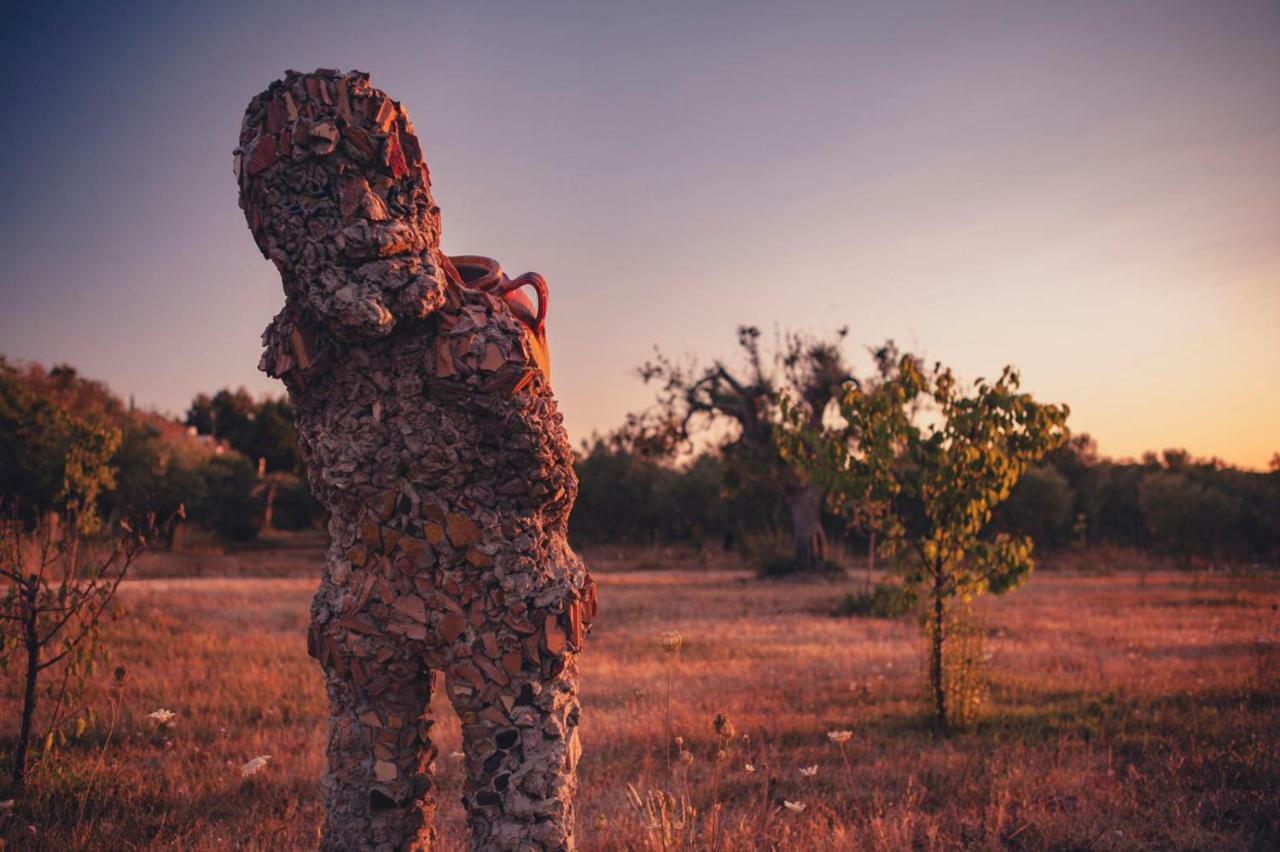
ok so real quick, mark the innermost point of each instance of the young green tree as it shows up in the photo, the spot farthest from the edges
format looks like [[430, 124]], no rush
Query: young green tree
[[939, 459], [55, 585]]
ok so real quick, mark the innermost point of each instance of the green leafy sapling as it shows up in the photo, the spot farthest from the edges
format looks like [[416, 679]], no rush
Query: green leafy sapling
[[939, 460], [57, 580]]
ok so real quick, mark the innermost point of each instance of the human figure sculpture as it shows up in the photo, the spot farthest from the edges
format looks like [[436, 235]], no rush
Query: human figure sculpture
[[420, 389]]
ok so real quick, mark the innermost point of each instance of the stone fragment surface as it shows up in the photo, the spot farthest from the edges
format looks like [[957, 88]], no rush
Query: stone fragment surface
[[425, 414]]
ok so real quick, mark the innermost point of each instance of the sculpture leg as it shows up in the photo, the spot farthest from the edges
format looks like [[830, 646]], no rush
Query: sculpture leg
[[378, 786], [521, 746]]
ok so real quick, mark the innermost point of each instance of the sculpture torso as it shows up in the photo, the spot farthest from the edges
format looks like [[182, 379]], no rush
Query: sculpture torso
[[440, 449]]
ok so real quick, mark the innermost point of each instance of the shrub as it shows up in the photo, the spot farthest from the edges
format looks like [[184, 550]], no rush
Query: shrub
[[885, 601], [230, 508], [295, 508]]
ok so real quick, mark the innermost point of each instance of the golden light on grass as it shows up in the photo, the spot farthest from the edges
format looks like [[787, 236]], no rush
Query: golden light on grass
[[1090, 669]]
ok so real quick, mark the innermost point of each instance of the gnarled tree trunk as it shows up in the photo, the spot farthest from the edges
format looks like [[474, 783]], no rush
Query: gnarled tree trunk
[[807, 534]]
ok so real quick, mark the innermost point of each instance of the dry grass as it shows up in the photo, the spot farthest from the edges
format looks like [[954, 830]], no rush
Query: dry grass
[[1125, 712]]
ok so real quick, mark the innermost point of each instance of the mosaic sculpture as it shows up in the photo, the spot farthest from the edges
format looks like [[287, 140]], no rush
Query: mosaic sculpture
[[420, 388]]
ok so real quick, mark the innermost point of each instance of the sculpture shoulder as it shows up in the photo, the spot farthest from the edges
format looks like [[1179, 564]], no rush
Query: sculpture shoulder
[[295, 347]]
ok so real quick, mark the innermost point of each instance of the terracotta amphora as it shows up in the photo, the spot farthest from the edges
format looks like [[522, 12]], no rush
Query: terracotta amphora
[[484, 273]]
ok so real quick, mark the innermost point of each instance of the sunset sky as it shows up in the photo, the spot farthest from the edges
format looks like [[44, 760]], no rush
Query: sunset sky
[[1090, 191]]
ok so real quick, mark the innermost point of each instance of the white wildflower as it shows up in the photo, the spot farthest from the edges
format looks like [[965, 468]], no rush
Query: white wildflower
[[750, 767], [840, 737], [162, 716], [254, 766], [793, 806], [809, 771]]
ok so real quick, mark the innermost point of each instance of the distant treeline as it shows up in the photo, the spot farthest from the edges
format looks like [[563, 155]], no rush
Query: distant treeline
[[1168, 504], [235, 465]]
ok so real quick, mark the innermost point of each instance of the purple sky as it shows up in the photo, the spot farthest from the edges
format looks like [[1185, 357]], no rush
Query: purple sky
[[1088, 190]]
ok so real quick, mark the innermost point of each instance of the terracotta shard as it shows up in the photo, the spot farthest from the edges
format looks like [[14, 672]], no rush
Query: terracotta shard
[[493, 715], [576, 627], [387, 504], [412, 149], [412, 606], [335, 657], [462, 530], [385, 113], [275, 119], [444, 359], [491, 671], [469, 673], [416, 550], [300, 349], [493, 359], [434, 533], [263, 156], [395, 157], [531, 646], [359, 624], [452, 626], [445, 602], [344, 103], [359, 143], [371, 534], [518, 624], [553, 637]]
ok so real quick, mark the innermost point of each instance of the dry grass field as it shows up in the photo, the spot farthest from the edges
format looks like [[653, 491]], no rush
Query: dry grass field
[[1125, 712]]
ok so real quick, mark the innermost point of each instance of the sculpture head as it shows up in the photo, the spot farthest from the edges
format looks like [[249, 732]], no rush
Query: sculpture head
[[337, 194]]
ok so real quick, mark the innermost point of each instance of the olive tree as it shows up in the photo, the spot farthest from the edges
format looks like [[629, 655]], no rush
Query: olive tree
[[739, 402], [939, 458]]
